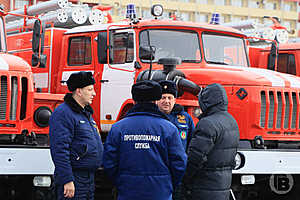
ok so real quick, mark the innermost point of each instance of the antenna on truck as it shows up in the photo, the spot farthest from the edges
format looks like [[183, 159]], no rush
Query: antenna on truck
[[156, 11]]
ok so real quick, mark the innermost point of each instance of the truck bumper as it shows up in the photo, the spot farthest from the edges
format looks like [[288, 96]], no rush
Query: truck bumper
[[269, 162], [26, 161]]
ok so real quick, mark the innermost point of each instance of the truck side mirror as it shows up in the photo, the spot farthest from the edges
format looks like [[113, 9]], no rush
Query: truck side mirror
[[272, 57], [43, 61], [37, 39], [146, 53], [102, 47]]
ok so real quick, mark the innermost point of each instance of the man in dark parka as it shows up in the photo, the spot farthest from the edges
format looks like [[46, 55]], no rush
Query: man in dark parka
[[211, 153]]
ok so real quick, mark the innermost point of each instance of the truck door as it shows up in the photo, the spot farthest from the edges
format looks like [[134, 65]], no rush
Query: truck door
[[76, 56], [286, 63], [117, 77]]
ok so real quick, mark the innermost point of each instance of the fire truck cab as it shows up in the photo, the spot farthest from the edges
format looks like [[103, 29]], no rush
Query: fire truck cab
[[288, 58]]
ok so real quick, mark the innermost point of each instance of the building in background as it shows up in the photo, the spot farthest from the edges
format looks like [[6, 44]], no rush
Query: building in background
[[288, 11]]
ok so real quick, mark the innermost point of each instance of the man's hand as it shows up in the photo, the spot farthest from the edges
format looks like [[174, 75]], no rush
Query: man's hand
[[69, 190]]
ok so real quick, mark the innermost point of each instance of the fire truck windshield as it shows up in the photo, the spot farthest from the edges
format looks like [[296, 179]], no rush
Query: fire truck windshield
[[2, 35], [172, 43], [224, 50]]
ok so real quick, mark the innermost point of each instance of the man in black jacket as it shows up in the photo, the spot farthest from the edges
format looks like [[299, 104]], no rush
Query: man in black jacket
[[212, 150]]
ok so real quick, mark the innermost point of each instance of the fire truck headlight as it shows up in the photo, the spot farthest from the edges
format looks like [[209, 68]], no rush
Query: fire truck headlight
[[42, 116], [258, 142], [239, 161], [157, 10], [247, 179], [42, 181]]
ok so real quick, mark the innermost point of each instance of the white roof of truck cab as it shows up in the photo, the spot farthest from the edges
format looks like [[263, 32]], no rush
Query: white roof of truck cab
[[153, 23], [94, 28]]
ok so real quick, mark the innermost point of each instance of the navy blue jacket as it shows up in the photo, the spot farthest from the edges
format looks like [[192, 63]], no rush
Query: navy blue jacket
[[143, 155], [212, 150], [184, 123], [75, 142]]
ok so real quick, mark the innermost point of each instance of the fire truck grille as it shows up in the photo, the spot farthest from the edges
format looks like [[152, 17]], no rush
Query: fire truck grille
[[14, 98], [9, 97], [279, 110], [3, 97]]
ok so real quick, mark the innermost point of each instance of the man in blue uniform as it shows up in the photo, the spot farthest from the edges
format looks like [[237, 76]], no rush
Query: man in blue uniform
[[143, 153], [181, 119], [75, 142]]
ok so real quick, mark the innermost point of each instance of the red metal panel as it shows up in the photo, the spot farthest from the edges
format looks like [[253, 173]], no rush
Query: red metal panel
[[275, 109]]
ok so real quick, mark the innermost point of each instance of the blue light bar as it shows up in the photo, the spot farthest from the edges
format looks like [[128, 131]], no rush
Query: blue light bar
[[131, 12], [215, 18]]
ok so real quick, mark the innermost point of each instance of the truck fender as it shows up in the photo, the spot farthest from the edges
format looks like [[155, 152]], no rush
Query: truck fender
[[126, 106]]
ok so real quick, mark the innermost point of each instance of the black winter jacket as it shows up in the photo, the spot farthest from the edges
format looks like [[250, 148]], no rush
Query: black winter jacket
[[211, 153]]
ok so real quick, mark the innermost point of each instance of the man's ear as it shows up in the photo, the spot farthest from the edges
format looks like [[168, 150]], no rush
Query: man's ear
[[78, 92]]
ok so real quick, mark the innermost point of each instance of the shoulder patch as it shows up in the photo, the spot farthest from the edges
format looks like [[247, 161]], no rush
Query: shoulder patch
[[183, 135], [181, 119]]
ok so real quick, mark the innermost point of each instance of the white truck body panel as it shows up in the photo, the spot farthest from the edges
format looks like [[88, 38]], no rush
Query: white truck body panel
[[270, 162], [24, 161]]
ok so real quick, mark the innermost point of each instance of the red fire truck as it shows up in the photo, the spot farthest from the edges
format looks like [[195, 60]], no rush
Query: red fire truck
[[25, 162], [274, 51], [265, 103], [288, 58]]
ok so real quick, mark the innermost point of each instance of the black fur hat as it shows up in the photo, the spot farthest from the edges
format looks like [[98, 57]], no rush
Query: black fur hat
[[80, 80], [146, 91], [168, 87]]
